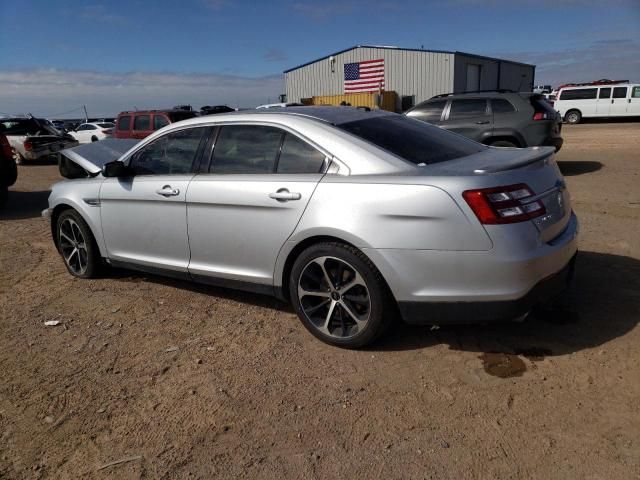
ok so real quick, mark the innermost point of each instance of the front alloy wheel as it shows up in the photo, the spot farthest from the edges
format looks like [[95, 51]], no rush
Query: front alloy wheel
[[73, 247], [77, 245]]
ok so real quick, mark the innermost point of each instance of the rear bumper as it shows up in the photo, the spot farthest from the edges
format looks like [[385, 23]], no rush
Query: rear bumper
[[554, 142], [437, 287], [443, 313]]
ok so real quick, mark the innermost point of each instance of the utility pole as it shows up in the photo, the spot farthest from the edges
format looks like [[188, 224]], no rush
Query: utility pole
[[86, 117]]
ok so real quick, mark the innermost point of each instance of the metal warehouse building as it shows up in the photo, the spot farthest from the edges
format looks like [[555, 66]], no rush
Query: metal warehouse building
[[413, 74]]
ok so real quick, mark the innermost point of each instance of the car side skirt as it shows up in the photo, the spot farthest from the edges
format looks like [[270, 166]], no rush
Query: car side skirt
[[259, 288]]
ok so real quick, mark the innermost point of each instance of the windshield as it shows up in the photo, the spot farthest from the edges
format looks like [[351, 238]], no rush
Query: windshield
[[413, 140]]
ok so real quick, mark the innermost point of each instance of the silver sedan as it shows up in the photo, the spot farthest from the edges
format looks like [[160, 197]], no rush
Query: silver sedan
[[356, 218]]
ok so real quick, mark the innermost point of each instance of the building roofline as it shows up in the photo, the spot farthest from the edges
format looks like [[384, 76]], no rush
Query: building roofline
[[385, 47], [484, 57]]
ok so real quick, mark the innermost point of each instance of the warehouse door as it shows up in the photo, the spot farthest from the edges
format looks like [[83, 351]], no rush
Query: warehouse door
[[473, 77]]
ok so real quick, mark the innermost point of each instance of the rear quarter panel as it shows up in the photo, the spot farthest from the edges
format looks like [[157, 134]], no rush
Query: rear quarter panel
[[390, 215]]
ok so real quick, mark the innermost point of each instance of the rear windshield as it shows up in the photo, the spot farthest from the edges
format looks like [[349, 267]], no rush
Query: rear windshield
[[541, 104], [177, 116], [413, 140], [106, 125]]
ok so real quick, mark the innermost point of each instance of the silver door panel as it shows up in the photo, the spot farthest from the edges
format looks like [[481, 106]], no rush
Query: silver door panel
[[144, 220], [236, 226]]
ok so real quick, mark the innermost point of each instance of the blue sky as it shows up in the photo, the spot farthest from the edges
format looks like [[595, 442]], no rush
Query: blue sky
[[56, 55]]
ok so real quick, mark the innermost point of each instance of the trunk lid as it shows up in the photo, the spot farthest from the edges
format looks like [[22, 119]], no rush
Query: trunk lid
[[536, 167]]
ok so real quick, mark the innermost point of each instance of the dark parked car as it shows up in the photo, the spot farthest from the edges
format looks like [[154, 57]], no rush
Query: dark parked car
[[497, 118], [141, 124], [8, 169], [215, 109]]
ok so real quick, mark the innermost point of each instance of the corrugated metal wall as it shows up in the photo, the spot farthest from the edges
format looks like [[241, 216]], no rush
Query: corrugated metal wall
[[512, 76], [420, 73]]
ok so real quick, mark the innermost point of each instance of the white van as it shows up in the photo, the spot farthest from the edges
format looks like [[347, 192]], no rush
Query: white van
[[574, 103]]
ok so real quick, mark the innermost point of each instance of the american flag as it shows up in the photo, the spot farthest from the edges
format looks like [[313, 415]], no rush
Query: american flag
[[366, 76]]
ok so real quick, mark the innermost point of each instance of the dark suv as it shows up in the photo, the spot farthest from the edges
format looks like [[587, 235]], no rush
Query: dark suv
[[497, 118]]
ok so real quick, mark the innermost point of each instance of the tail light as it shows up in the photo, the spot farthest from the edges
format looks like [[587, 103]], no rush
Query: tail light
[[28, 146], [541, 116], [502, 205], [109, 131]]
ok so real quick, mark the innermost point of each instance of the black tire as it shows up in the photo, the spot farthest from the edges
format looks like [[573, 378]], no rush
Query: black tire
[[368, 297], [8, 171], [503, 143], [86, 263], [94, 139], [4, 196], [573, 117]]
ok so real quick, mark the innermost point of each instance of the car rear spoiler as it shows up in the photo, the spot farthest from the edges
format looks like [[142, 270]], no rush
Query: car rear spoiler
[[92, 156]]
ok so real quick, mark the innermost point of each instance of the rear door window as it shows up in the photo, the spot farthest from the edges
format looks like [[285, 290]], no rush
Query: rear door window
[[142, 122], [636, 92], [297, 156], [604, 93], [124, 123], [246, 149], [467, 108], [620, 92], [159, 121], [500, 105]]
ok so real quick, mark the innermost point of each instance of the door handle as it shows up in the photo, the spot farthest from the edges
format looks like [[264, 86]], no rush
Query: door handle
[[482, 122], [612, 100], [167, 191], [284, 195]]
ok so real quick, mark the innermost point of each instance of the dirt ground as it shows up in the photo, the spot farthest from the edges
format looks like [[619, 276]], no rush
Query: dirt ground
[[175, 380]]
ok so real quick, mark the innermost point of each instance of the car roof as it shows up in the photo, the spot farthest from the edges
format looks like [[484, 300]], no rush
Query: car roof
[[330, 114], [610, 85], [482, 94]]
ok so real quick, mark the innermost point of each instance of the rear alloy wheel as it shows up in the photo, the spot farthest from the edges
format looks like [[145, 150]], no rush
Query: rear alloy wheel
[[339, 295], [573, 117], [19, 159], [77, 245]]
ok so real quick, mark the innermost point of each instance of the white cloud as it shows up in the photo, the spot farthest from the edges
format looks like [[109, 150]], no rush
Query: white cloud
[[615, 59], [275, 55], [47, 92]]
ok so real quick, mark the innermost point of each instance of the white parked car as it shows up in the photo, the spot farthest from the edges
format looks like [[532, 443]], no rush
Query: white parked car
[[575, 103], [92, 132]]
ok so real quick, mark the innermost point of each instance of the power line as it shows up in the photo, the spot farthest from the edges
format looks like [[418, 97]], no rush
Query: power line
[[64, 113]]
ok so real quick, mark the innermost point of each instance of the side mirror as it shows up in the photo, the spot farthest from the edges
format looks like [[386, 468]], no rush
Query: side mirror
[[116, 169]]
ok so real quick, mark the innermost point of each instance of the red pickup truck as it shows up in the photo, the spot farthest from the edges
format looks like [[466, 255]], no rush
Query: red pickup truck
[[142, 123]]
